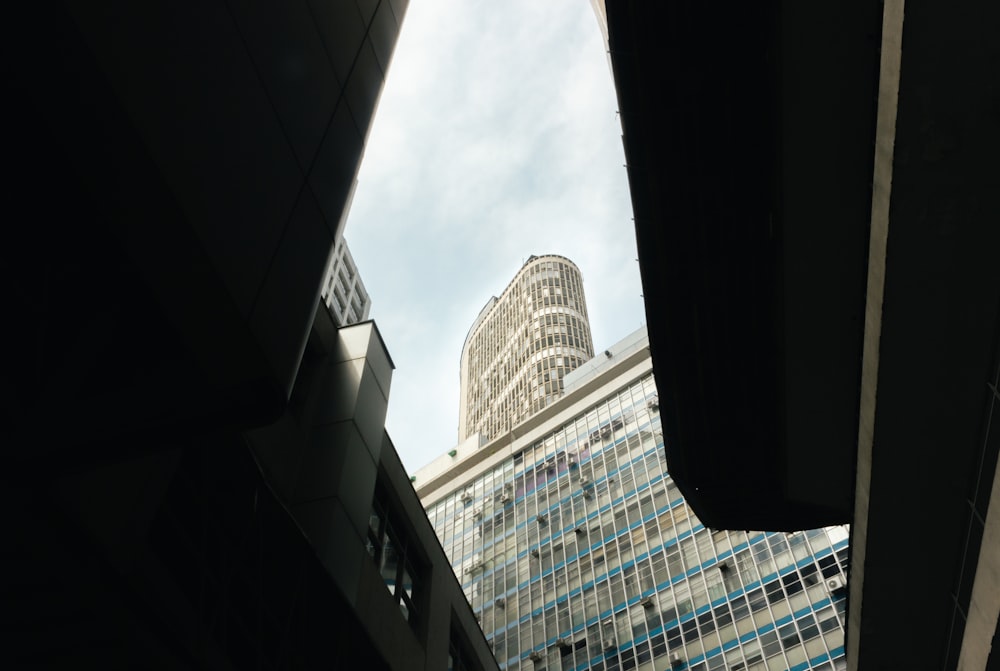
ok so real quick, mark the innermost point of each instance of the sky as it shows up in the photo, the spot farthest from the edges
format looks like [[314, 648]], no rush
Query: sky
[[496, 137]]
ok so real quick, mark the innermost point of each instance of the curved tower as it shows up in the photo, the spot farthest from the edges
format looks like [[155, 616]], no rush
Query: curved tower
[[521, 345]]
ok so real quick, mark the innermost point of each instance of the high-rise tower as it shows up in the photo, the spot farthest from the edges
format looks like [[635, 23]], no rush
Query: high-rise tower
[[521, 345]]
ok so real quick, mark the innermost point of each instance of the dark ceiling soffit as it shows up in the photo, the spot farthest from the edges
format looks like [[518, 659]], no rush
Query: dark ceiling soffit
[[700, 111]]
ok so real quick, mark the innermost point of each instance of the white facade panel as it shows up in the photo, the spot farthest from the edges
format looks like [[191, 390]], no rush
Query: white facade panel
[[343, 291]]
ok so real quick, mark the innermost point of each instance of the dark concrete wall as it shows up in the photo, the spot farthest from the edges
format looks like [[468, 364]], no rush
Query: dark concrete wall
[[177, 174]]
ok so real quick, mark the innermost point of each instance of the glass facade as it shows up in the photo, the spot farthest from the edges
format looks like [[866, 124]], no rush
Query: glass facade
[[578, 552]]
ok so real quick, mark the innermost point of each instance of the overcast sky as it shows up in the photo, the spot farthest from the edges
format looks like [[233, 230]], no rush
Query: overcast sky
[[496, 138]]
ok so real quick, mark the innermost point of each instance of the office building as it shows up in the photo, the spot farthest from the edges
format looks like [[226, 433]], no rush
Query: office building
[[521, 346], [577, 550], [343, 291]]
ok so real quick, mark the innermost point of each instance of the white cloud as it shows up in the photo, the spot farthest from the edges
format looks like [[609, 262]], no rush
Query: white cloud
[[495, 138]]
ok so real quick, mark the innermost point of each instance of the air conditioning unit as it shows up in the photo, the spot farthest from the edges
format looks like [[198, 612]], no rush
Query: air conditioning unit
[[580, 530], [610, 643], [474, 566], [835, 583], [605, 431], [588, 493], [572, 462], [477, 514], [501, 602], [676, 659], [654, 403], [646, 601], [534, 552], [505, 498], [536, 656], [564, 643], [584, 481], [466, 497], [542, 518]]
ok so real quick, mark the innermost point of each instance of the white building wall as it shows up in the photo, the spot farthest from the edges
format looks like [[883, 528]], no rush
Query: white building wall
[[343, 291]]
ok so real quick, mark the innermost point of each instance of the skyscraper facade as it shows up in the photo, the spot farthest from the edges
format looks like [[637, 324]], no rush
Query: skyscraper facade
[[521, 346], [577, 551]]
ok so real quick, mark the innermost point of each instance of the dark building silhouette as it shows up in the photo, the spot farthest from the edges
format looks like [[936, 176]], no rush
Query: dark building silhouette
[[196, 471], [816, 217]]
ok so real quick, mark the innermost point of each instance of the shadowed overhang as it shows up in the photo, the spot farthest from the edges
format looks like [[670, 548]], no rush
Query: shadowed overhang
[[748, 130]]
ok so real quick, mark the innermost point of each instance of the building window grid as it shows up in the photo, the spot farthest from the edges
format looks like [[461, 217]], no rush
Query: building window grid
[[688, 650], [596, 453], [560, 486], [799, 618], [492, 362], [531, 511], [566, 500]]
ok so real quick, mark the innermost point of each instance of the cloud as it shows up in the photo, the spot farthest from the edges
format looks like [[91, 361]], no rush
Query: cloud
[[495, 138]]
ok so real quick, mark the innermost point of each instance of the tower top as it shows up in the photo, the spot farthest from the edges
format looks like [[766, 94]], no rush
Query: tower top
[[521, 345]]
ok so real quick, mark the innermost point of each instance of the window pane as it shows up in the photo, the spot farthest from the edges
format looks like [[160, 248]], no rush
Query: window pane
[[408, 580], [389, 567]]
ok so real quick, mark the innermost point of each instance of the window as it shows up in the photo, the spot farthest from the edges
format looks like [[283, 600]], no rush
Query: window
[[389, 548], [740, 607], [722, 615], [828, 566], [757, 600], [792, 583], [717, 663], [705, 623], [774, 591], [730, 577], [690, 630], [827, 619], [788, 635], [459, 657], [770, 643], [807, 627]]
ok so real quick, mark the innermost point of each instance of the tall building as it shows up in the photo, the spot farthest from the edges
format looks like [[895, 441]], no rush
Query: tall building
[[522, 345], [577, 551], [343, 291]]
